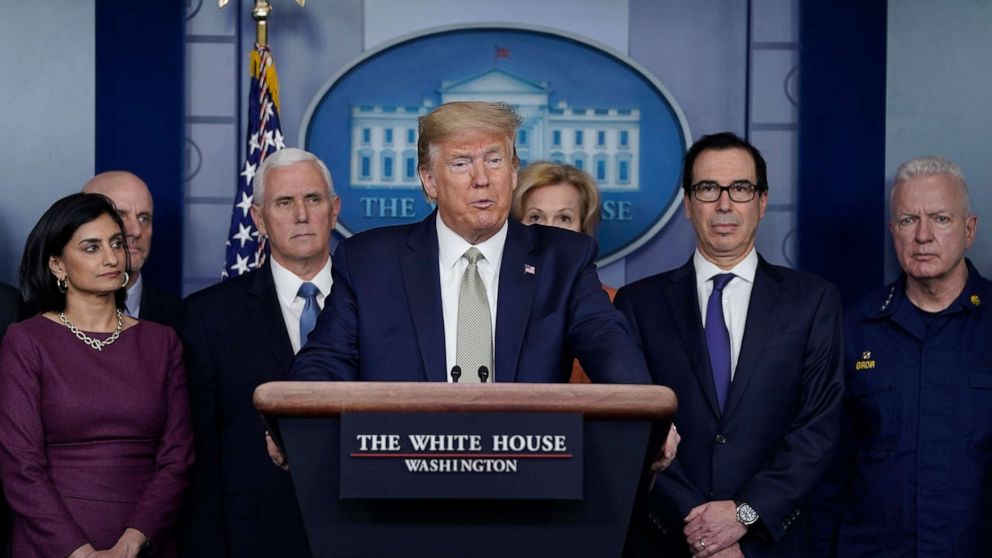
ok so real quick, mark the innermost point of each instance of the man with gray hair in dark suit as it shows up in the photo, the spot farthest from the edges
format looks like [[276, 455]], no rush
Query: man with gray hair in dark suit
[[240, 334], [134, 204]]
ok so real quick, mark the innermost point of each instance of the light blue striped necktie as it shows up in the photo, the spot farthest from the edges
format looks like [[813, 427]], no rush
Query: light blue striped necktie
[[308, 292]]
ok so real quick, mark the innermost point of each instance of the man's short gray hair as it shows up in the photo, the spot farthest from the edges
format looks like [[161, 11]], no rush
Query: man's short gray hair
[[931, 165], [284, 158]]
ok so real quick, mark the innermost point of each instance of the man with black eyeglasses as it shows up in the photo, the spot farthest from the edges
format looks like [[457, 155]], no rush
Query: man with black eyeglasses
[[753, 352]]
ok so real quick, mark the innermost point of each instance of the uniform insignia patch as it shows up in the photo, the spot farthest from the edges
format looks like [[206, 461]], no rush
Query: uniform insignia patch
[[888, 299], [866, 363]]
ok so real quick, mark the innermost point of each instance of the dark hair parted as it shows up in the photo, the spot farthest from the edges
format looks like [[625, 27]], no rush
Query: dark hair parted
[[50, 236], [720, 142]]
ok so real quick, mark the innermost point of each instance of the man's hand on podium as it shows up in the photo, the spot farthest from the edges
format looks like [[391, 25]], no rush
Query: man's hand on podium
[[668, 451], [275, 453]]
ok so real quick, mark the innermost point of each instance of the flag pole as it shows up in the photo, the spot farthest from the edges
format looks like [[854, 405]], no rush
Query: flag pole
[[260, 12], [245, 249]]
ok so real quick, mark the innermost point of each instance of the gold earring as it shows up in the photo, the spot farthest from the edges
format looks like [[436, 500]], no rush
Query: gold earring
[[127, 277], [62, 283]]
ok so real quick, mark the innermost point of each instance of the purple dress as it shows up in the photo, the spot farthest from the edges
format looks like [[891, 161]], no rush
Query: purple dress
[[92, 442]]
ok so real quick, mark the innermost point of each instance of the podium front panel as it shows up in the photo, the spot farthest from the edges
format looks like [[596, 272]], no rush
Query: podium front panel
[[461, 456], [614, 462]]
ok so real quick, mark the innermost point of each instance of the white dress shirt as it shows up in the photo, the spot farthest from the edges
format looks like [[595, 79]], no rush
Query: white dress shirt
[[736, 296], [287, 287], [450, 249]]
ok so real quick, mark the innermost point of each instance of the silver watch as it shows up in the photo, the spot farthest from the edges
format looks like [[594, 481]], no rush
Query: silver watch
[[746, 514]]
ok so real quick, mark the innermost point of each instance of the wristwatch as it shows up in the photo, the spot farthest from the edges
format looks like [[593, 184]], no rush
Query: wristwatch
[[746, 514]]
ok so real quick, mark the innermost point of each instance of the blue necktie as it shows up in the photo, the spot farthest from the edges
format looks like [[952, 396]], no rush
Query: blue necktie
[[308, 319], [718, 338]]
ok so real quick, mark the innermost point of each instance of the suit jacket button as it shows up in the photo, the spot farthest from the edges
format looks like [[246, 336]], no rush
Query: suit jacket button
[[721, 439]]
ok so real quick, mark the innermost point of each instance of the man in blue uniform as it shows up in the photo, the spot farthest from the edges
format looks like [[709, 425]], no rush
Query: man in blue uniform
[[914, 474]]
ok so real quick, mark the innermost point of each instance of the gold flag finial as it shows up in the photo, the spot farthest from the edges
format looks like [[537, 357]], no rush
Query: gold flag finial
[[260, 12]]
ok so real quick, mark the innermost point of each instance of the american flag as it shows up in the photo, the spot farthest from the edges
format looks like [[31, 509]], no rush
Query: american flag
[[245, 250]]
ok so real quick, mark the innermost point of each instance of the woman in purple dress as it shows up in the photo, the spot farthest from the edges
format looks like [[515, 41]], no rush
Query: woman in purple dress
[[95, 437]]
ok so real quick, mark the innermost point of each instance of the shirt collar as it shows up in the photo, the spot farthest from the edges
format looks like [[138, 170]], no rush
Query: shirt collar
[[974, 297], [288, 283], [451, 247], [705, 269], [971, 299]]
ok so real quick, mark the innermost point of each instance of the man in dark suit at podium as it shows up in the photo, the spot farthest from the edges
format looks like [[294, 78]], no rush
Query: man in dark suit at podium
[[754, 353], [466, 295], [243, 333], [134, 204]]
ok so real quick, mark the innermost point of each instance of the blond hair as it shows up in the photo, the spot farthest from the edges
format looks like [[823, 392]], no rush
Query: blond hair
[[451, 118], [544, 173]]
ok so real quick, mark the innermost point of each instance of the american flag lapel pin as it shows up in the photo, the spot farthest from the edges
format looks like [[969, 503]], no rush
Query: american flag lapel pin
[[529, 269]]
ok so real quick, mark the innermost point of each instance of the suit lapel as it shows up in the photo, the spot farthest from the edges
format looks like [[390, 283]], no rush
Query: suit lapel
[[681, 295], [422, 281], [762, 314], [516, 295], [268, 322]]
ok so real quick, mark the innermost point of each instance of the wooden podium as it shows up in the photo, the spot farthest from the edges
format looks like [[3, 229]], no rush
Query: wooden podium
[[623, 429]]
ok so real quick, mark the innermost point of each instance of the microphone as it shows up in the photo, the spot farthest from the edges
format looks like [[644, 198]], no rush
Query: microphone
[[456, 372], [483, 374]]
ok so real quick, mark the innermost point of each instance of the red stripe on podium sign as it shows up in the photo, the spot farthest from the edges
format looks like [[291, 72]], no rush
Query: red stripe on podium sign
[[468, 455]]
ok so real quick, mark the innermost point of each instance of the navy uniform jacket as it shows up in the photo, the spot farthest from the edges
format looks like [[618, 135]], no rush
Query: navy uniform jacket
[[778, 430], [383, 319], [914, 476]]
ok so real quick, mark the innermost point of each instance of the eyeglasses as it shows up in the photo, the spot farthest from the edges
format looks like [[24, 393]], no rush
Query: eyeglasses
[[708, 191]]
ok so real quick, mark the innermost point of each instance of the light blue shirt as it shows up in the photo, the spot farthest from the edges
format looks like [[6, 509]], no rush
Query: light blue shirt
[[133, 299]]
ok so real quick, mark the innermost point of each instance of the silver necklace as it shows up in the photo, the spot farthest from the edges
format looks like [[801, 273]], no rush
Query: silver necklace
[[94, 343]]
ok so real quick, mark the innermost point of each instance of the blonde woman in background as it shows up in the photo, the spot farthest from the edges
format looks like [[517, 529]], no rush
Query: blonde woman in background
[[560, 195]]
